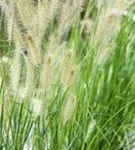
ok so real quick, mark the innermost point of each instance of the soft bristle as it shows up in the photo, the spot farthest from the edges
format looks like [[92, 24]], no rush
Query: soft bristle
[[69, 108]]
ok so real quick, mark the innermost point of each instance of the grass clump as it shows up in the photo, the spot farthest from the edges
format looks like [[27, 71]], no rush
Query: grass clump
[[67, 80]]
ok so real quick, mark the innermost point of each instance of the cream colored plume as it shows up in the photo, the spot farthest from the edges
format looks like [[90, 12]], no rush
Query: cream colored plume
[[69, 108]]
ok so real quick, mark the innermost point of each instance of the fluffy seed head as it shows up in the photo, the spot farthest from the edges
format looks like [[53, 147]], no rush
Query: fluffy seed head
[[37, 106], [30, 76], [68, 70], [46, 78], [15, 70], [33, 52], [69, 108], [106, 27], [90, 130]]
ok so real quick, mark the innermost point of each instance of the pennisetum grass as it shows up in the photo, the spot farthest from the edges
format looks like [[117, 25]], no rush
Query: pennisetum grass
[[67, 76]]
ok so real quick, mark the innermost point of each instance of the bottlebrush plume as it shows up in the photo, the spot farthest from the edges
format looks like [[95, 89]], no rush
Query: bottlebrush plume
[[106, 29], [9, 12], [47, 73], [15, 71], [91, 128], [68, 70], [30, 78], [37, 106], [69, 108], [68, 16], [53, 9], [122, 5], [33, 52]]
